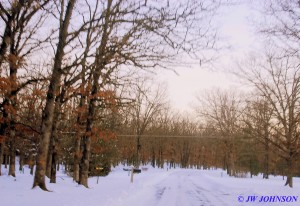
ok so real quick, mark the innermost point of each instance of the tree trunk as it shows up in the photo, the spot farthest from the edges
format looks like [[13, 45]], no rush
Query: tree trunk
[[3, 136], [231, 163], [12, 101], [31, 169], [48, 116], [81, 110], [78, 152], [230, 158], [153, 158], [100, 63], [48, 113], [31, 163], [21, 162], [77, 157], [161, 160], [40, 172], [1, 155], [266, 161], [12, 154], [84, 163], [58, 164], [5, 40], [52, 154], [185, 155], [86, 145], [3, 127], [289, 179], [11, 119], [6, 161], [53, 166], [49, 160], [138, 151], [54, 140]]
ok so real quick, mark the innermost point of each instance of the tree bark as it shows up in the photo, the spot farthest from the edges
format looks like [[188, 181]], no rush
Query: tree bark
[[6, 161], [52, 153], [230, 158], [2, 141], [54, 139], [153, 158], [49, 159], [266, 161], [5, 40], [289, 179], [86, 145], [138, 151], [161, 160], [21, 162], [48, 113], [31, 163], [78, 136], [231, 162], [77, 157], [12, 99], [1, 156], [12, 154], [53, 166]]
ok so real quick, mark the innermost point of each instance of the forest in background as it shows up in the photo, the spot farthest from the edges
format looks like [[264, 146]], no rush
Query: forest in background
[[78, 88]]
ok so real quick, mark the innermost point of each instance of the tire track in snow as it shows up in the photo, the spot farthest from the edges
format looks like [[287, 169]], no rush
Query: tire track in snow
[[173, 191], [210, 198], [179, 190]]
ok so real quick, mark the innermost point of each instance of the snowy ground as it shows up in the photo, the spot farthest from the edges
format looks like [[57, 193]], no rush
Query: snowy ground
[[175, 187]]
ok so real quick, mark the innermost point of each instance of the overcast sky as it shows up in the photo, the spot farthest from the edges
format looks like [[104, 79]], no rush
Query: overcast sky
[[239, 33]]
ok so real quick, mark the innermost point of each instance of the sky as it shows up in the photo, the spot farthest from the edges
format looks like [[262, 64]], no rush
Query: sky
[[237, 31]]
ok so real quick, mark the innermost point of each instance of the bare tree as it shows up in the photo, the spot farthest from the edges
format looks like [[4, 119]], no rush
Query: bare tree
[[22, 22], [257, 117], [280, 24], [145, 36], [223, 109], [278, 82], [148, 103], [39, 177]]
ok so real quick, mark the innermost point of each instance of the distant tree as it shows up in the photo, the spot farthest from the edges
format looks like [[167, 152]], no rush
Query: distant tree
[[223, 109], [148, 103], [276, 75], [257, 117], [277, 80]]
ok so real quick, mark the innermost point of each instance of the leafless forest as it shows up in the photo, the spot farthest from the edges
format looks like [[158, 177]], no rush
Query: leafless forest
[[77, 88]]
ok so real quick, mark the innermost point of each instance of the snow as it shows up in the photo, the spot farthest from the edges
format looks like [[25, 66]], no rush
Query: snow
[[161, 187]]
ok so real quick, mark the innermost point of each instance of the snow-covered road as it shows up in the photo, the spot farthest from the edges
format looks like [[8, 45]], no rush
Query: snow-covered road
[[155, 187], [199, 188], [179, 188]]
